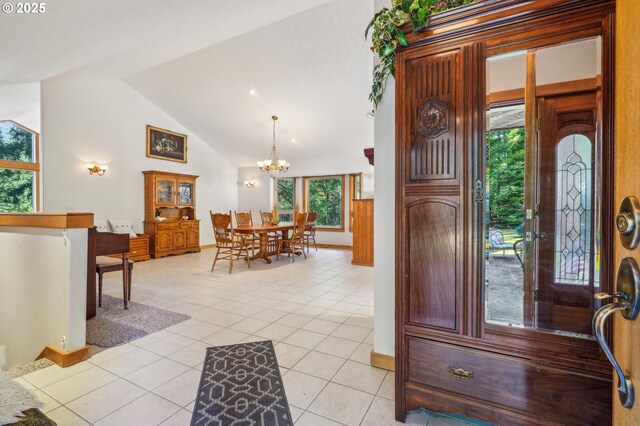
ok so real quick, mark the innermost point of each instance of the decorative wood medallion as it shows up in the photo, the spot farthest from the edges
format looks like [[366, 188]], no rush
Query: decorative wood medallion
[[433, 107], [433, 118]]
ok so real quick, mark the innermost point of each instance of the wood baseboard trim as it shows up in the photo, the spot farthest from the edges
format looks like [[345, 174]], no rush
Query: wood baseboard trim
[[334, 246], [62, 358], [208, 246], [386, 362], [360, 263]]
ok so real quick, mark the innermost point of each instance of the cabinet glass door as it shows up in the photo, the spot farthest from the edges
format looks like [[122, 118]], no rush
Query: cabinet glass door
[[542, 216], [166, 191], [185, 193]]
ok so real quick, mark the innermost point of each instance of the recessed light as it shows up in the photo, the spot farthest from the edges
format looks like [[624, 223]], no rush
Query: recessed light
[[252, 91], [293, 140]]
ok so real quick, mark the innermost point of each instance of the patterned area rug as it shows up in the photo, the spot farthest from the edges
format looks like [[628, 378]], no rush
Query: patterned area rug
[[241, 385], [115, 326]]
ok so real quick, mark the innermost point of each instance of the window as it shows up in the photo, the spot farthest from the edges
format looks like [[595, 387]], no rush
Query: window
[[19, 169], [355, 193], [285, 199], [325, 195]]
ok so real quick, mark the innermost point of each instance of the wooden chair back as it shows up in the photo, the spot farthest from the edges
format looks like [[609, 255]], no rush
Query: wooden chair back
[[300, 224], [222, 229], [244, 218], [312, 217], [266, 217]]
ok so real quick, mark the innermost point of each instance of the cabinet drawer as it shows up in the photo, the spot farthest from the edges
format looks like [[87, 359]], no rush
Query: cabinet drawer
[[185, 225], [139, 251], [168, 225], [507, 381], [139, 242]]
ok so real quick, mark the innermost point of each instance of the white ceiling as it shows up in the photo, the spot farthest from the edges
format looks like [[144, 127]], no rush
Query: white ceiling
[[307, 60], [116, 38], [313, 70]]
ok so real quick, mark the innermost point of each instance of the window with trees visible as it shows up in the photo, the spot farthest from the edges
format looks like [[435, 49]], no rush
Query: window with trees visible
[[285, 198], [325, 195], [19, 168]]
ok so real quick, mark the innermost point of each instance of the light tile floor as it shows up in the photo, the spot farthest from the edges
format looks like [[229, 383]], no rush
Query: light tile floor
[[318, 312]]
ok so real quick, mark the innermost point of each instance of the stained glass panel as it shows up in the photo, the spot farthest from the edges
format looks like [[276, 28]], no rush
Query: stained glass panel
[[573, 210]]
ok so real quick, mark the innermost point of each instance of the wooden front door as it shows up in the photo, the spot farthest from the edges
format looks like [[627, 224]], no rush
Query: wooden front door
[[567, 212], [627, 182]]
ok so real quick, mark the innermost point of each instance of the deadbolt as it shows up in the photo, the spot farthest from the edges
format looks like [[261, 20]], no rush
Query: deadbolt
[[625, 223], [628, 224]]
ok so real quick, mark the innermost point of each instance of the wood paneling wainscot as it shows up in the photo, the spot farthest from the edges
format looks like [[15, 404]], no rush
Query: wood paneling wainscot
[[362, 232]]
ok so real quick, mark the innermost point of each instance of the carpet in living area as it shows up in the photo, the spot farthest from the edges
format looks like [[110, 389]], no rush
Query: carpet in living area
[[241, 385], [115, 326]]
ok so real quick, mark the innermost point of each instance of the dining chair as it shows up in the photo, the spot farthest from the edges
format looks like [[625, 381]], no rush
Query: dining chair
[[310, 231], [106, 244], [268, 218], [230, 246], [291, 244], [246, 219]]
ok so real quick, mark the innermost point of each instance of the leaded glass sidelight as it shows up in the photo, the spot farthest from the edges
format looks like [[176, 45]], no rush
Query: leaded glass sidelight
[[574, 201]]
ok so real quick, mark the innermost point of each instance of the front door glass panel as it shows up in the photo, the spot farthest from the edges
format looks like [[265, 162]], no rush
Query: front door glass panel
[[541, 220], [573, 210]]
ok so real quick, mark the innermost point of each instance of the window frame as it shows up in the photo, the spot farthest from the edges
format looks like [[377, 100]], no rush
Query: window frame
[[27, 166], [352, 195], [305, 200], [276, 213]]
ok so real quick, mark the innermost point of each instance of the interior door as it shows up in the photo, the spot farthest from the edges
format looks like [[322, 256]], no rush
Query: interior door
[[627, 182], [566, 212]]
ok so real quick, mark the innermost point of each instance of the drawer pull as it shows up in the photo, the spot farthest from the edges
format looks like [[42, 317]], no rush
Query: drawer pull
[[461, 373]]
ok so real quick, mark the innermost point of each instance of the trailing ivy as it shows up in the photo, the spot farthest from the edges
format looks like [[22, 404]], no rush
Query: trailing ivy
[[387, 35]]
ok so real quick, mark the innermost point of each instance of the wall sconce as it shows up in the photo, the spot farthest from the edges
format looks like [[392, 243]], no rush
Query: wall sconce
[[97, 169], [249, 184]]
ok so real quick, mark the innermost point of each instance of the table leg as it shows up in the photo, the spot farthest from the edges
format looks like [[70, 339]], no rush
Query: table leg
[[263, 252]]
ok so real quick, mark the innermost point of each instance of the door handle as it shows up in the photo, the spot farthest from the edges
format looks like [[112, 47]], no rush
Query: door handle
[[628, 285]]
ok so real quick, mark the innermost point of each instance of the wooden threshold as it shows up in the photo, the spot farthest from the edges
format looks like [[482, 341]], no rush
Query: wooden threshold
[[62, 358]]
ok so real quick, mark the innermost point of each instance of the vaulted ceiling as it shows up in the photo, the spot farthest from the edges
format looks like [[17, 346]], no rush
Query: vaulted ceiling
[[307, 61]]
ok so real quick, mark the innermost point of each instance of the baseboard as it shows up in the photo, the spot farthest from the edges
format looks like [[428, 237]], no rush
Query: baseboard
[[386, 362], [360, 263], [62, 358], [334, 246], [208, 246]]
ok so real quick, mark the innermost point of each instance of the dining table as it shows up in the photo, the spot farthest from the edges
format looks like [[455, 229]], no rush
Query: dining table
[[263, 231]]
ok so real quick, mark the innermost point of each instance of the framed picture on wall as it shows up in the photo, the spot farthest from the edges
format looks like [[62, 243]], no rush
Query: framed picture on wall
[[166, 145]]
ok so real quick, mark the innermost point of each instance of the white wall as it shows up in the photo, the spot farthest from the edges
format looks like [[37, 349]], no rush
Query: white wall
[[260, 197], [384, 220], [104, 121], [384, 224], [43, 283]]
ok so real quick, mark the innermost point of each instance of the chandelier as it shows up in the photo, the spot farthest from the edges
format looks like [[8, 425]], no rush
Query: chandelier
[[272, 165]]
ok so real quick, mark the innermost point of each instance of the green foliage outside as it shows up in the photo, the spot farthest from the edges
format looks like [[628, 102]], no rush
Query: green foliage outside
[[285, 199], [16, 186], [325, 198], [506, 177]]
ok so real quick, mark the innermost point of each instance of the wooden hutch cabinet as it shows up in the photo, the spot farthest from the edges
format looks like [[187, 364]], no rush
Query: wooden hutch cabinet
[[171, 196], [494, 307]]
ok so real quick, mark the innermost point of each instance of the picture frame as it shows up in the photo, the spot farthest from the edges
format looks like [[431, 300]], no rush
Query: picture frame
[[164, 144]]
